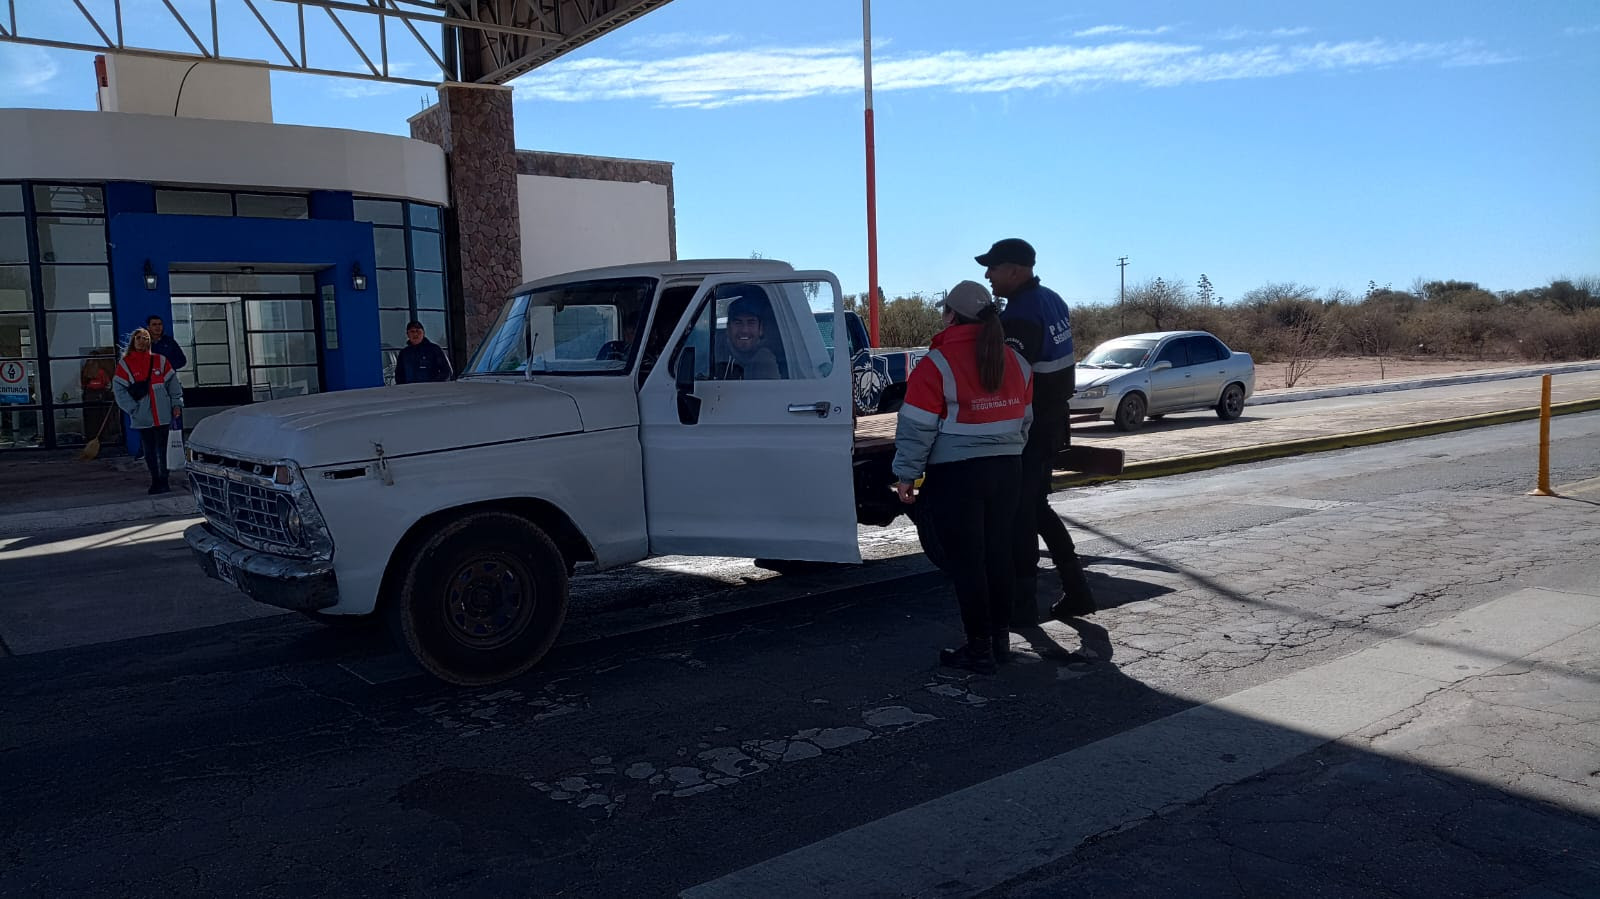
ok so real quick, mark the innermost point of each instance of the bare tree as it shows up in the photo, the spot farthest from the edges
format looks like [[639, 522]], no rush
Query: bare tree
[[1301, 323], [1159, 301]]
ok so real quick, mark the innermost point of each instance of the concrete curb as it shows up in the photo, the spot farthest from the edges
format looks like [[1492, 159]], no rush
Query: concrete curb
[[1172, 465], [1296, 394], [29, 524]]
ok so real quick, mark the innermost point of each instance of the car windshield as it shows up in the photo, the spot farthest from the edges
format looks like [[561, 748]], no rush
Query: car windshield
[[584, 328], [1119, 354]]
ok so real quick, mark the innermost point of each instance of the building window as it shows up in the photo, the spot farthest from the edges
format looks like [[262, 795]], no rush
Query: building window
[[273, 206], [57, 329], [211, 202], [408, 247], [193, 202]]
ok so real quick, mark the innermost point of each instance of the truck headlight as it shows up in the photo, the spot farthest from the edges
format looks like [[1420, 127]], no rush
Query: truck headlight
[[1093, 393]]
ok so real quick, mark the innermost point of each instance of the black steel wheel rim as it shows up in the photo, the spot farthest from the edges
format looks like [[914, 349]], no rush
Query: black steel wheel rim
[[489, 600], [1132, 410], [1233, 401]]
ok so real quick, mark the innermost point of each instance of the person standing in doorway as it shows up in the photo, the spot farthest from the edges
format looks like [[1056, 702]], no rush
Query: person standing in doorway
[[961, 432], [146, 388], [162, 342], [1039, 326], [421, 359]]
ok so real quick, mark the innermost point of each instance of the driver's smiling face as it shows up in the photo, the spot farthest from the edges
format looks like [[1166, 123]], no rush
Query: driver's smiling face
[[744, 332]]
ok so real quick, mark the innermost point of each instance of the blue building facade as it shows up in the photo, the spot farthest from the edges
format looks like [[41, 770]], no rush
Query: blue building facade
[[270, 294]]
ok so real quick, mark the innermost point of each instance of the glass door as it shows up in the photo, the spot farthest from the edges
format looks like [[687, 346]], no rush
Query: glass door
[[282, 347], [249, 337]]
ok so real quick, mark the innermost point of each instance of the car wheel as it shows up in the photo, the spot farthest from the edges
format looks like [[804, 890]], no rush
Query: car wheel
[[1130, 412], [1231, 405], [482, 600]]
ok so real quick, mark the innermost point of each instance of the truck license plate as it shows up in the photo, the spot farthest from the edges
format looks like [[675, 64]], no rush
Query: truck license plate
[[224, 570]]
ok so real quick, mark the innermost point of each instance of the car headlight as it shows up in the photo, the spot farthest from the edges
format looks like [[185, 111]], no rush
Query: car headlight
[[293, 522], [1093, 393]]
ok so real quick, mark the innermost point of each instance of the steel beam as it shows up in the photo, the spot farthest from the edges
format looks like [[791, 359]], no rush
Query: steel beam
[[483, 41]]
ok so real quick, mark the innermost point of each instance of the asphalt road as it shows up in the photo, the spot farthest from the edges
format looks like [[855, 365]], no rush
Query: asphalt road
[[276, 757]]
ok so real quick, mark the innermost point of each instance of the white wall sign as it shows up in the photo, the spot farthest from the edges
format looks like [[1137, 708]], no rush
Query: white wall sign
[[14, 383]]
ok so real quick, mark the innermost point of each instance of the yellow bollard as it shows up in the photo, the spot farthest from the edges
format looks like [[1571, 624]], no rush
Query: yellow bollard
[[1544, 442]]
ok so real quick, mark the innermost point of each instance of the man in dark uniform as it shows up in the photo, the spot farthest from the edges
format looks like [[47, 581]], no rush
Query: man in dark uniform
[[421, 359], [1039, 326], [162, 342]]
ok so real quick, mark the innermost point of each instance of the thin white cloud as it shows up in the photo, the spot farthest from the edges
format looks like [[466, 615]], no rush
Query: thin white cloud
[[358, 89], [27, 71], [1242, 34], [1580, 30], [764, 75], [1107, 30], [676, 40]]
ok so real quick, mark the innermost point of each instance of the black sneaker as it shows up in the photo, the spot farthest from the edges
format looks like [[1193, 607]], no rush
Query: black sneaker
[[968, 660], [1001, 646], [1075, 606]]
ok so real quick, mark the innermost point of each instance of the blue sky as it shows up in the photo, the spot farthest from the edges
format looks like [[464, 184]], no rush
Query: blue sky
[[1329, 144]]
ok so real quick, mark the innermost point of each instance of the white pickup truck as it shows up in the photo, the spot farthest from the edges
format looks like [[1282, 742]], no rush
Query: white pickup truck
[[604, 419]]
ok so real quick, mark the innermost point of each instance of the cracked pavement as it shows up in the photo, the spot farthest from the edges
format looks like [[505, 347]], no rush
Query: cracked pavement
[[249, 759]]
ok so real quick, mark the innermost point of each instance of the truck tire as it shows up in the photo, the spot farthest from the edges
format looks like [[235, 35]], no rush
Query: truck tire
[[482, 599]]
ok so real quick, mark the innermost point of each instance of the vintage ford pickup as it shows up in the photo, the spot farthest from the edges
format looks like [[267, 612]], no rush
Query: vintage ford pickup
[[608, 416]]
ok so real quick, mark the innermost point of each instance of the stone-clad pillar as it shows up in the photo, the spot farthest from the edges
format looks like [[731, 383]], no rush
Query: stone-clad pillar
[[473, 123]]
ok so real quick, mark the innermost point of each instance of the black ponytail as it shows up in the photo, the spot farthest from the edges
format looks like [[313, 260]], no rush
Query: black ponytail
[[991, 349]]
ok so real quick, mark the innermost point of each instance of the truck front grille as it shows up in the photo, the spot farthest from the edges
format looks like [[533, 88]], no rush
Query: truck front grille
[[253, 513]]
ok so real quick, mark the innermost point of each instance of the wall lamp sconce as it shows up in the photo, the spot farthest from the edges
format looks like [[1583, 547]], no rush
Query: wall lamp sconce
[[150, 280], [358, 281]]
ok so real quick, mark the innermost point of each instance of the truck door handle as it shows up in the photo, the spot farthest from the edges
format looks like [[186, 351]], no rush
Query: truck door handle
[[820, 410]]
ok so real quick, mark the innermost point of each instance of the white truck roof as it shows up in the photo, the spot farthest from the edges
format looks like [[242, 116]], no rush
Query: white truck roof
[[665, 268]]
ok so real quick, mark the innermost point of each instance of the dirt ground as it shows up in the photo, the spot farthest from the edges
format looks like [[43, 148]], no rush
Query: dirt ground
[[1360, 369]]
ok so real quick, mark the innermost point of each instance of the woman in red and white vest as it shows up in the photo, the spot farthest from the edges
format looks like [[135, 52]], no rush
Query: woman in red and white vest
[[146, 387], [961, 431]]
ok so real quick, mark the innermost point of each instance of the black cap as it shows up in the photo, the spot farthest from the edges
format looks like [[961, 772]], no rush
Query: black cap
[[1014, 250], [414, 324]]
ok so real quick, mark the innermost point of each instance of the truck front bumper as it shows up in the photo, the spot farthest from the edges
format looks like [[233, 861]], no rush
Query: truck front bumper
[[287, 583]]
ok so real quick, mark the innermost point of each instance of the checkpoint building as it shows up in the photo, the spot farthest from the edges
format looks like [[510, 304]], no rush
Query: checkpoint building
[[285, 259]]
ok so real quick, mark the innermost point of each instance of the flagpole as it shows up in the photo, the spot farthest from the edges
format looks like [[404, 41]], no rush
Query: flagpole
[[872, 181]]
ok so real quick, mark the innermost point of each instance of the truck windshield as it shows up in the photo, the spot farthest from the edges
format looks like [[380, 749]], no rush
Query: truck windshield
[[583, 328]]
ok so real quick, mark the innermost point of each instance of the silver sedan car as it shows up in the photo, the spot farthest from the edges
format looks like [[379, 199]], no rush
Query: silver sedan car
[[1129, 378]]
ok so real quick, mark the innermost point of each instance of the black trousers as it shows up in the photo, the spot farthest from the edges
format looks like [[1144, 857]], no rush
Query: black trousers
[[1063, 552], [967, 510], [153, 446], [1034, 515]]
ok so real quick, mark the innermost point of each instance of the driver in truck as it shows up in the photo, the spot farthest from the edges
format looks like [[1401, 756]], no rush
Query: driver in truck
[[748, 358]]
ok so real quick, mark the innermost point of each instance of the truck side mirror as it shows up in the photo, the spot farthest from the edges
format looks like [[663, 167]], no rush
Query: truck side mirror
[[688, 403]]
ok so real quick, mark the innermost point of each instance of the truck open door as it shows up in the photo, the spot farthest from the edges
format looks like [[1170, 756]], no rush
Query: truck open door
[[747, 442]]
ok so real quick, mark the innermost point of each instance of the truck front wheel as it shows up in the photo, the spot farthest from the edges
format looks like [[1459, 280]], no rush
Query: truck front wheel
[[482, 599]]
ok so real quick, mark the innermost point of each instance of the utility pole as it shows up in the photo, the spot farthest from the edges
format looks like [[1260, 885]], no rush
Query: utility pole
[[872, 180], [1122, 293]]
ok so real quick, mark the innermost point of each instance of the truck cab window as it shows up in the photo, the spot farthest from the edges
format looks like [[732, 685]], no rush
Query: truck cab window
[[669, 311], [583, 328]]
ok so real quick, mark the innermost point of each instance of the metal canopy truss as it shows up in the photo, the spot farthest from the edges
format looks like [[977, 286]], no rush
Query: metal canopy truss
[[482, 41]]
